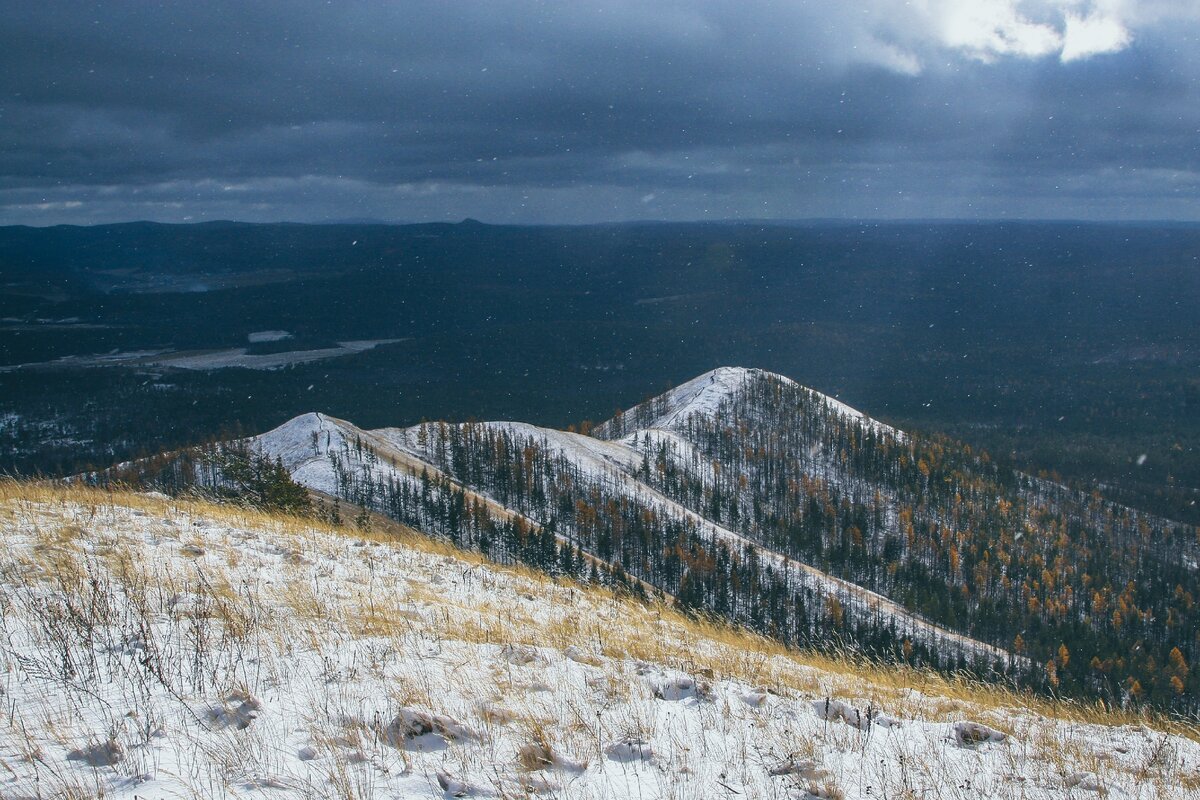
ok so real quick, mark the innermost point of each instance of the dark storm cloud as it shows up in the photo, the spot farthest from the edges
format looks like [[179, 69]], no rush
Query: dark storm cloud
[[534, 111]]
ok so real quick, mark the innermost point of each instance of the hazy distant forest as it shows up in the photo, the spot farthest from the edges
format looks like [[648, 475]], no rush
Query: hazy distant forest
[[1059, 347]]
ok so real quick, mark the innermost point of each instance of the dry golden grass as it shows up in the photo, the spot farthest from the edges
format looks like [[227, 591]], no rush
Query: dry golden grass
[[616, 627]]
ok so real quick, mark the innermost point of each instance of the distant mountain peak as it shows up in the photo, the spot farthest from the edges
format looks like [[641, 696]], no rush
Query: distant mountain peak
[[708, 393]]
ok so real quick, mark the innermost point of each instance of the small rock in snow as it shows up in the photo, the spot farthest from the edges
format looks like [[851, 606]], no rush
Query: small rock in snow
[[1084, 780], [105, 754], [969, 734], [520, 655], [681, 687], [832, 710], [453, 786], [806, 769], [629, 750]]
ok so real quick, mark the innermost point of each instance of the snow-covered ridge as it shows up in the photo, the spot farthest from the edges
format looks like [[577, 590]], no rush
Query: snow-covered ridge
[[305, 444], [701, 395], [596, 453], [203, 653]]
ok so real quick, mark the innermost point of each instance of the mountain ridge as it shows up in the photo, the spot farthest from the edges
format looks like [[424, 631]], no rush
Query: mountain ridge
[[394, 445], [743, 493]]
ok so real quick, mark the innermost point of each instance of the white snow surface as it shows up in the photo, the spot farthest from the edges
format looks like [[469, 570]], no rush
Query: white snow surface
[[239, 357], [256, 337], [212, 359], [115, 358], [152, 649]]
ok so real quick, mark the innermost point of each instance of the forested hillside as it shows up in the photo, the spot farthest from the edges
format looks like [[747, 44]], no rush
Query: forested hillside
[[746, 495], [1099, 596]]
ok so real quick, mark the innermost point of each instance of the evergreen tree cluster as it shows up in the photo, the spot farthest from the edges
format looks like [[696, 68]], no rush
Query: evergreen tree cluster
[[232, 471]]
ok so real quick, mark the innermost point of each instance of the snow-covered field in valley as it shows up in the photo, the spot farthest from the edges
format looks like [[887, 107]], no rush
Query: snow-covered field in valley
[[239, 357], [154, 649]]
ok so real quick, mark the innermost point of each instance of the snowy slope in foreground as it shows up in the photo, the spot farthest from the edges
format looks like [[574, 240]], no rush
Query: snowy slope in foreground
[[153, 649]]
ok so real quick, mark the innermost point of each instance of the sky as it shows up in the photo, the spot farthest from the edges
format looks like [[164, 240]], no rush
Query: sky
[[515, 111]]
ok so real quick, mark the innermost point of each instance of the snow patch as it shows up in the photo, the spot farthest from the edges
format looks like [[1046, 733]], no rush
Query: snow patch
[[267, 336], [240, 357]]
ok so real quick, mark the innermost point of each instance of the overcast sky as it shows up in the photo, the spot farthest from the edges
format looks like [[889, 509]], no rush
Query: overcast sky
[[573, 111]]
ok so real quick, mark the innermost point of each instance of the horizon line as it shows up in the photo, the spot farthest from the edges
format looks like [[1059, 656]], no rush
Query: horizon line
[[767, 221]]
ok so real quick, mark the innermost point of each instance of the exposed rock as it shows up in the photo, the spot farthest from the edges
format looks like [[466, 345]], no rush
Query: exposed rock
[[410, 724], [832, 710], [105, 754], [239, 711], [630, 750], [804, 768], [970, 734], [520, 655]]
